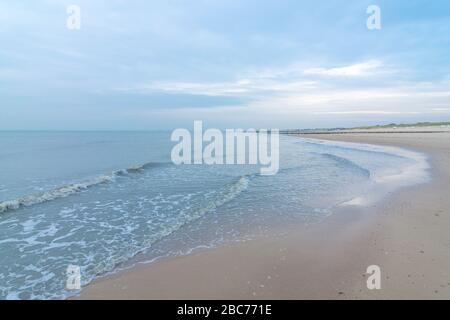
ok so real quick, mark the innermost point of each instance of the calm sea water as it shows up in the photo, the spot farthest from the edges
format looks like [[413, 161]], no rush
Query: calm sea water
[[99, 200]]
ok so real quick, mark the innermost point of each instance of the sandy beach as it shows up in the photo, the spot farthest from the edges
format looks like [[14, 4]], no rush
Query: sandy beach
[[406, 234]]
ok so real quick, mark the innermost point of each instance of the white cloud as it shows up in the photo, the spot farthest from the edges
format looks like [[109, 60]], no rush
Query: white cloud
[[291, 79], [250, 87], [366, 112], [354, 70], [296, 90], [207, 89]]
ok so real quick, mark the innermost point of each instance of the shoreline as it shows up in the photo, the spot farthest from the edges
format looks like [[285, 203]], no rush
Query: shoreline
[[405, 234]]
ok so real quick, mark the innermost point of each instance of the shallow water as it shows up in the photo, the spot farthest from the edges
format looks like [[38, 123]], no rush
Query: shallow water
[[97, 199]]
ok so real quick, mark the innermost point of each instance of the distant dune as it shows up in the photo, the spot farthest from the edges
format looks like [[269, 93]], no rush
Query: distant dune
[[420, 127]]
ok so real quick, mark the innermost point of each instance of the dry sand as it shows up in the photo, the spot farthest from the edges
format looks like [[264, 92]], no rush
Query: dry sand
[[407, 234]]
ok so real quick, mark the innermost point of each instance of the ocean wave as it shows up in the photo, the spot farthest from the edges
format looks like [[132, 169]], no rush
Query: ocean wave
[[60, 192], [355, 147], [223, 196], [348, 163], [140, 168], [70, 189], [234, 190], [413, 169]]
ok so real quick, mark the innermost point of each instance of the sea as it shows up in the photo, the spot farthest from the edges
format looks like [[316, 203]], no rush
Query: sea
[[104, 201]]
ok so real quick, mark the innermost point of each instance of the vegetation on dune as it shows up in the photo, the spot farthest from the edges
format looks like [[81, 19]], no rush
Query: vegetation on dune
[[405, 125]]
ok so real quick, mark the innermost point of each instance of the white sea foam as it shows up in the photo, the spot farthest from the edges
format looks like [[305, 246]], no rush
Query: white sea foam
[[389, 179], [61, 192], [69, 189]]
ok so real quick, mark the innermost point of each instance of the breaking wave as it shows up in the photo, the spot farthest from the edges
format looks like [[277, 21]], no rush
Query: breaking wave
[[348, 163], [70, 189]]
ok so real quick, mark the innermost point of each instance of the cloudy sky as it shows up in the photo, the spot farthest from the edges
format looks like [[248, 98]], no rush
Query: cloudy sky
[[137, 65]]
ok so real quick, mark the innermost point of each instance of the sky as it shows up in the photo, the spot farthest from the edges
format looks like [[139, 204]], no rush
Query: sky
[[155, 65]]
